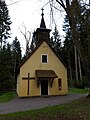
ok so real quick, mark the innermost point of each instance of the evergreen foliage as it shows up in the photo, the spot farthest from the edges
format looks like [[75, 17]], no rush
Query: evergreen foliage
[[6, 68], [56, 40], [77, 35], [10, 57], [4, 22], [77, 28], [16, 56], [16, 51], [33, 42]]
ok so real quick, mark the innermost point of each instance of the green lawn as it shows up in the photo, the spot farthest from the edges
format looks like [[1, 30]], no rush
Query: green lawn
[[11, 95], [76, 110], [7, 96], [78, 91]]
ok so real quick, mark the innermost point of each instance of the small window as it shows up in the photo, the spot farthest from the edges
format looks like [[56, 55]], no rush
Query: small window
[[44, 58], [59, 84]]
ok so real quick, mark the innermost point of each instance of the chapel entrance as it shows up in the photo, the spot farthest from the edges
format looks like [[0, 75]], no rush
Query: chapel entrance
[[44, 87]]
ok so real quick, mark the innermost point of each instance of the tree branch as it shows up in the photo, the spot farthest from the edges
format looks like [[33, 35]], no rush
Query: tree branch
[[62, 4]]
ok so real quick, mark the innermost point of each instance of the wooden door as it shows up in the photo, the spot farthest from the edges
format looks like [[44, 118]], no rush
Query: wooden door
[[44, 87]]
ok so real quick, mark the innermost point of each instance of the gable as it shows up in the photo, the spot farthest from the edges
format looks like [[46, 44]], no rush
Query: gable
[[43, 49]]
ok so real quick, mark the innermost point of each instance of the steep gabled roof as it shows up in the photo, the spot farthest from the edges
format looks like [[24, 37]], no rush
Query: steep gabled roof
[[42, 32], [30, 54]]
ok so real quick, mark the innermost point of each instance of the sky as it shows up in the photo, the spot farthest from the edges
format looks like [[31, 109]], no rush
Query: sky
[[28, 13]]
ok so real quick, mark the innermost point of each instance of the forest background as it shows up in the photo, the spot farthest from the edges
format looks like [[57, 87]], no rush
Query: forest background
[[75, 50]]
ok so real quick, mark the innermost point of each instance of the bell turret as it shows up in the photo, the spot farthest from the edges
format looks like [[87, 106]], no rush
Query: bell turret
[[42, 33]]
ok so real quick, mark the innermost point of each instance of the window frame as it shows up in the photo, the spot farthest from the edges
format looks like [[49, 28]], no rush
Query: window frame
[[42, 59]]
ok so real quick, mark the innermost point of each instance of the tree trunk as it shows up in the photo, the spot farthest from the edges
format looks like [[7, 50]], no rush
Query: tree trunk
[[80, 70], [71, 80], [76, 70], [70, 9]]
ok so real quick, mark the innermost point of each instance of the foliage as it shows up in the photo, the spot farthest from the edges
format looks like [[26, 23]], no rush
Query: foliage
[[4, 22], [6, 66], [16, 50], [4, 97], [76, 110], [6, 69], [33, 42], [16, 55], [77, 28], [56, 40], [78, 91], [9, 61]]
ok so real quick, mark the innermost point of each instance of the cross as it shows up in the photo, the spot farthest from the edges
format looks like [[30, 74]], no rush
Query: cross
[[28, 78], [42, 12]]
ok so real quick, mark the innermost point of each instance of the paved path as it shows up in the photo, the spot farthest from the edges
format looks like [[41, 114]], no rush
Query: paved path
[[22, 104]]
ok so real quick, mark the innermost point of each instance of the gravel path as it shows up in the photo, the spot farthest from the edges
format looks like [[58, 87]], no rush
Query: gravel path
[[22, 104]]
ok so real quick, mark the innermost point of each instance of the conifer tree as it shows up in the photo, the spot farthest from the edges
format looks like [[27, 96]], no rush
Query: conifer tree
[[56, 40], [75, 16], [6, 69], [16, 51], [4, 22], [33, 42]]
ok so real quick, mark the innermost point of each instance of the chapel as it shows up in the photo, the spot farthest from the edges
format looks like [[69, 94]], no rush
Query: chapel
[[43, 72]]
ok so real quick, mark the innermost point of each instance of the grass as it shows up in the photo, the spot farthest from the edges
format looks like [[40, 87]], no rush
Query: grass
[[78, 91], [11, 95], [76, 110], [7, 96]]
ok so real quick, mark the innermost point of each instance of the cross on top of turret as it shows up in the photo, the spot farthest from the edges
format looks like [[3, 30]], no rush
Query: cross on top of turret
[[42, 12]]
